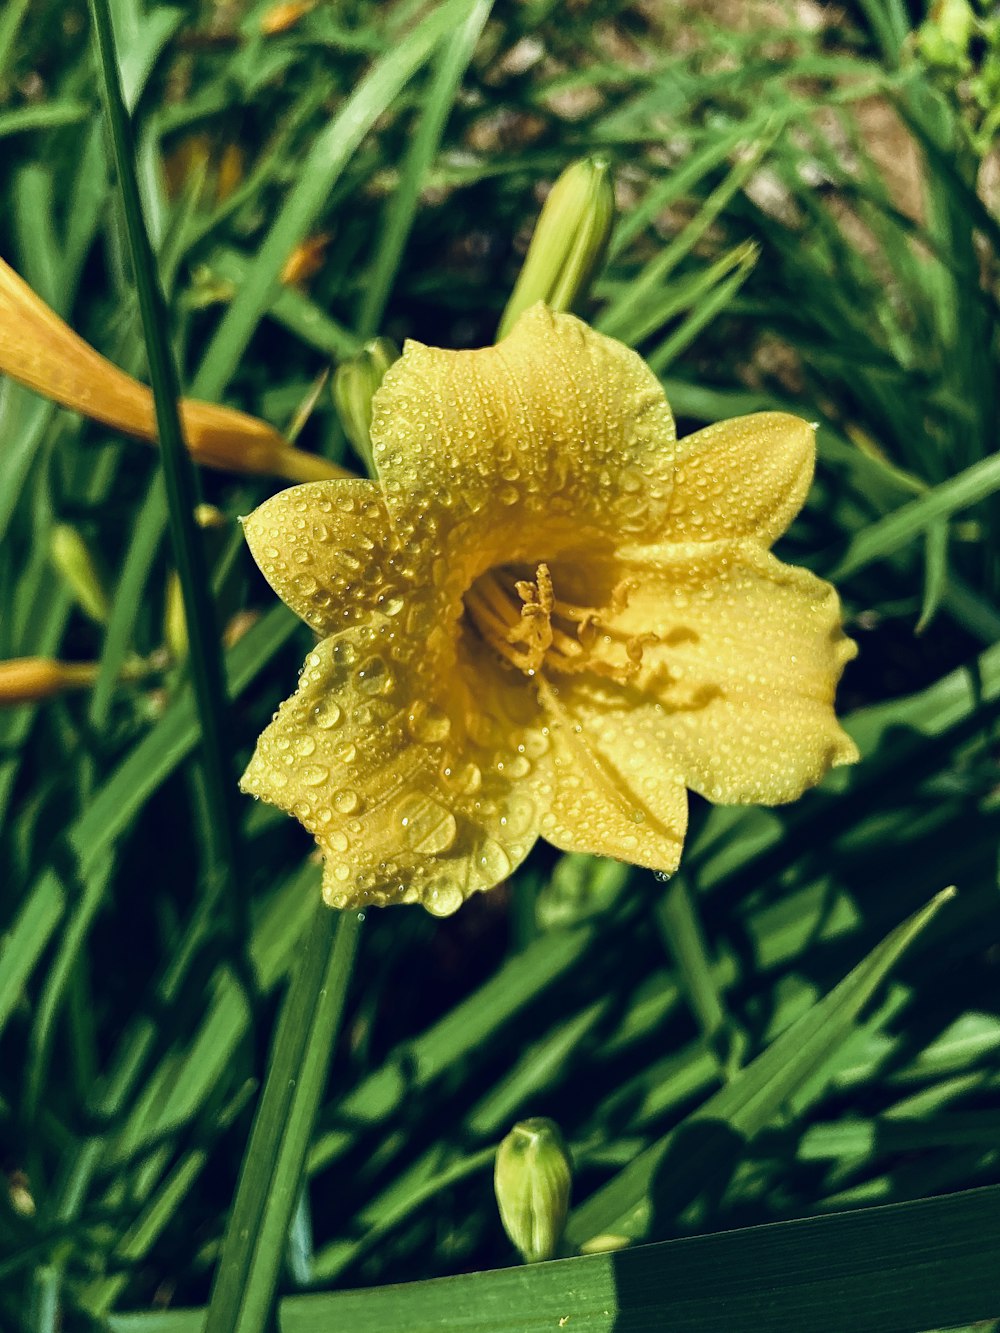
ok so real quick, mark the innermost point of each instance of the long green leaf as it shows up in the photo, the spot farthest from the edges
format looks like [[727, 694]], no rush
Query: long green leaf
[[896, 530], [272, 1168], [921, 1265], [181, 488]]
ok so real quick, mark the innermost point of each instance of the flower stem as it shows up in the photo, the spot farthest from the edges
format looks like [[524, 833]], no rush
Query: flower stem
[[181, 492], [271, 1175]]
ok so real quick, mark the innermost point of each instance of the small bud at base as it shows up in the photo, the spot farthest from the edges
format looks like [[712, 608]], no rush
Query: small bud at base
[[532, 1180]]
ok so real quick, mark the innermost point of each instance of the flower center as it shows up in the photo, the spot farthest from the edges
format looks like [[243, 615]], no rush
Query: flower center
[[531, 628]]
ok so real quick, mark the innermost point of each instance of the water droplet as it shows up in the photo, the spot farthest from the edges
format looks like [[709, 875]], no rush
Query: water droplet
[[492, 861], [443, 898], [463, 778], [314, 775], [347, 801], [374, 677], [428, 723], [326, 715], [428, 827], [343, 653]]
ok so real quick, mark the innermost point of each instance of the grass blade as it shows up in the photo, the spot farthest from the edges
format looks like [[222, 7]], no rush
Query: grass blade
[[181, 488], [269, 1185], [930, 1263], [896, 530], [330, 153]]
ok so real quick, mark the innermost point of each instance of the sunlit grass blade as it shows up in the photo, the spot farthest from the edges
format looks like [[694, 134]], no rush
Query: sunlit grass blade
[[181, 491], [330, 152], [895, 531], [254, 1247], [930, 1263]]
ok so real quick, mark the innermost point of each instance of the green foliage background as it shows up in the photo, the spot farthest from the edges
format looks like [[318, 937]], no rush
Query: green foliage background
[[808, 221]]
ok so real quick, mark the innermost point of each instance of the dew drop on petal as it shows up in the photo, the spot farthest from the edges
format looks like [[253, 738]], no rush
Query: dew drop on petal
[[492, 861], [443, 898], [427, 723], [428, 826], [348, 802], [326, 715]]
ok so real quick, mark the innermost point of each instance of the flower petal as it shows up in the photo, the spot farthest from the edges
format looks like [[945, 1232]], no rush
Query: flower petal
[[747, 477], [325, 546], [736, 698], [556, 436], [39, 350], [410, 800], [609, 797]]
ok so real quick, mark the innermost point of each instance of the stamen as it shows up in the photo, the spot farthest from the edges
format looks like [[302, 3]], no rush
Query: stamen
[[530, 638]]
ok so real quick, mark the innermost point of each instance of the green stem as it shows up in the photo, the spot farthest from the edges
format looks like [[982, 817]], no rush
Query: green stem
[[273, 1166], [181, 489]]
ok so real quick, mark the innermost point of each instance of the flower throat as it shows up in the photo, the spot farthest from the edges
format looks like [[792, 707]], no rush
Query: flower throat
[[533, 630]]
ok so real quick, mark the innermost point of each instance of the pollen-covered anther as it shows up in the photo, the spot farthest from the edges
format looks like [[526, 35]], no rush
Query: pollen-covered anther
[[531, 639]]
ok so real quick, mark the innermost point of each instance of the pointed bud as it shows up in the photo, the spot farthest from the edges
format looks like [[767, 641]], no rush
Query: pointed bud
[[209, 516], [39, 350], [354, 387], [72, 559], [570, 241], [279, 18], [175, 634], [26, 680], [532, 1181]]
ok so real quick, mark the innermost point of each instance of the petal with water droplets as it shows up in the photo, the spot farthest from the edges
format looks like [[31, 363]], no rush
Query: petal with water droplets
[[747, 477], [409, 799], [736, 697], [556, 436]]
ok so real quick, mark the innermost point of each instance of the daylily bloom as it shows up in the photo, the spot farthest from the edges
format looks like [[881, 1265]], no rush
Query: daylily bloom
[[38, 349], [547, 617]]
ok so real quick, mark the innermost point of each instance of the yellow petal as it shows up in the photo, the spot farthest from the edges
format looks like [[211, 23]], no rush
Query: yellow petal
[[411, 797], [609, 797], [39, 350], [736, 698], [747, 477], [324, 545], [556, 436]]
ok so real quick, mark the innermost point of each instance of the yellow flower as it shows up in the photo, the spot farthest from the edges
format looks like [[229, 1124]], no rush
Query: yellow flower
[[38, 349], [546, 617]]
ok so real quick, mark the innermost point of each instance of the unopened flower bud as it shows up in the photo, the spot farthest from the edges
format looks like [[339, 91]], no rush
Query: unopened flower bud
[[72, 559], [943, 38], [306, 260], [354, 387], [569, 242], [175, 634], [279, 18], [209, 516], [532, 1180], [26, 680]]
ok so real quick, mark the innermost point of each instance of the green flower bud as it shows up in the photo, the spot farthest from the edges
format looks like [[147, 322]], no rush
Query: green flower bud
[[354, 386], [944, 36], [532, 1180], [72, 559], [175, 632], [570, 241]]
